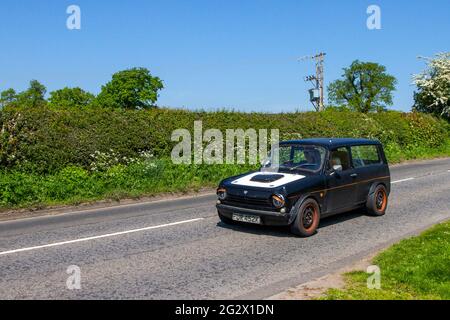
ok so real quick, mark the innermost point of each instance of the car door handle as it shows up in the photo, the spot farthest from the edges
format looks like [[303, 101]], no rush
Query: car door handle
[[354, 175]]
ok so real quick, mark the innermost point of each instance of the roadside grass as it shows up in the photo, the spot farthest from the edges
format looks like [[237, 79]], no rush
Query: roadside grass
[[414, 269], [397, 154], [74, 185]]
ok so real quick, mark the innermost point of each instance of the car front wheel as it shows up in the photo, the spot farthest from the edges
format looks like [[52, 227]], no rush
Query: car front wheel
[[307, 220]]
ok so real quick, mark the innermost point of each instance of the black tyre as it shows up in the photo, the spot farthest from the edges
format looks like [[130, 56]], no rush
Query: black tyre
[[377, 201], [225, 219], [307, 220]]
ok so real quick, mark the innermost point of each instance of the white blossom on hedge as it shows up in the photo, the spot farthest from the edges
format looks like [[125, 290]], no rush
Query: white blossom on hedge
[[434, 83]]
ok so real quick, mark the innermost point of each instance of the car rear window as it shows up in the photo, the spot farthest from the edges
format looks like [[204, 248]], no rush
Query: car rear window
[[365, 156]]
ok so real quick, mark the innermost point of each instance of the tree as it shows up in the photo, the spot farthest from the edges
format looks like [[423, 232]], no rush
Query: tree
[[34, 96], [7, 97], [433, 86], [130, 89], [70, 98], [365, 87]]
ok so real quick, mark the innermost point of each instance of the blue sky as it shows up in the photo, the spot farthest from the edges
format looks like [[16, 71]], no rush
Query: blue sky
[[212, 54]]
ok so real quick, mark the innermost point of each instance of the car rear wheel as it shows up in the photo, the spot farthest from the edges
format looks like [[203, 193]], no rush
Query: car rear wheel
[[307, 220], [377, 201]]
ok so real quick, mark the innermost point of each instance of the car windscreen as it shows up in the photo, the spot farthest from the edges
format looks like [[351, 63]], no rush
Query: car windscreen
[[296, 157]]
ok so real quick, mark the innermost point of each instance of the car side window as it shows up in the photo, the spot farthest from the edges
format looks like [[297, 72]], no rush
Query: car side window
[[340, 157], [365, 156]]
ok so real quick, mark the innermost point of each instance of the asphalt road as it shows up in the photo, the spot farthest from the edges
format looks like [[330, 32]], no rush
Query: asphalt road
[[179, 250]]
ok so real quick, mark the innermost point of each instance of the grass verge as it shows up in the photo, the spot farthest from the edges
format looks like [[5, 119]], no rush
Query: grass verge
[[417, 268], [74, 185], [397, 154]]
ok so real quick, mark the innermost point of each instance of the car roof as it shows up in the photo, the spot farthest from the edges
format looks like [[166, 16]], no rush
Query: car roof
[[333, 142]]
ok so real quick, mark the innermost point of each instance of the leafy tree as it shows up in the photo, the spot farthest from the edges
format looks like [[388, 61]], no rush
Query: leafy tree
[[70, 98], [7, 97], [34, 96], [365, 87], [433, 87], [130, 89]]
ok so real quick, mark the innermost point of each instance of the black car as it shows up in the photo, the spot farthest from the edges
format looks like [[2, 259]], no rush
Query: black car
[[305, 180]]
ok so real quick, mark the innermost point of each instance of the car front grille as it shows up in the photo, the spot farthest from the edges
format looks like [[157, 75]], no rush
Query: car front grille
[[249, 203]]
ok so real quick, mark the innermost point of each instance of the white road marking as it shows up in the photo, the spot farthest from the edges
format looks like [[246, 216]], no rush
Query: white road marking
[[403, 180], [56, 244]]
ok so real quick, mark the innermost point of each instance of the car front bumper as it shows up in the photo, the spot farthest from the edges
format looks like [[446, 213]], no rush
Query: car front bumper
[[268, 218]]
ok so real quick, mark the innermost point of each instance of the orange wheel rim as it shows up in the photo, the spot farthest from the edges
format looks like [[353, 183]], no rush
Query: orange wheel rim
[[310, 214], [381, 200]]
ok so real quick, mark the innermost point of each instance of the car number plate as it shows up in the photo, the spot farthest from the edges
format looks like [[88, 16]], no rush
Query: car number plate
[[246, 218]]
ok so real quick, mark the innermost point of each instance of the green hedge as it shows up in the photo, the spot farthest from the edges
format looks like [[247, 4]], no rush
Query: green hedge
[[45, 140]]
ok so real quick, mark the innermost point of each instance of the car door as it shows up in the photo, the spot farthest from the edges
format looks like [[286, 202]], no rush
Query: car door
[[367, 162], [341, 185]]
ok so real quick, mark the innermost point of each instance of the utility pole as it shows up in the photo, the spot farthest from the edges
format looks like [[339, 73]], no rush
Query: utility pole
[[317, 93]]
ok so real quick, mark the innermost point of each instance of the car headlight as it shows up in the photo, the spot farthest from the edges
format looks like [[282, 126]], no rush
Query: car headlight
[[222, 194], [278, 201]]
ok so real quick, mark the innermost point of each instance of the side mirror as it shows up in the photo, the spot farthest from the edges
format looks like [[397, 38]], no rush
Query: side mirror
[[337, 168]]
